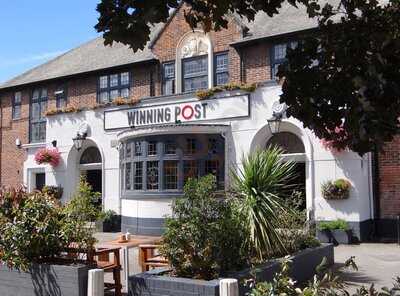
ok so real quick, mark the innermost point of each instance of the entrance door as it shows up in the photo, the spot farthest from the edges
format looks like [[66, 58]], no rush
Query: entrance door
[[94, 178]]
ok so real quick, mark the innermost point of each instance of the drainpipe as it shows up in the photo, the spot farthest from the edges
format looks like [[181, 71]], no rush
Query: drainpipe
[[242, 74], [376, 191]]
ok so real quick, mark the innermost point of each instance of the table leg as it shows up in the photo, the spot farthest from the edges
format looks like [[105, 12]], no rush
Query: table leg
[[126, 269]]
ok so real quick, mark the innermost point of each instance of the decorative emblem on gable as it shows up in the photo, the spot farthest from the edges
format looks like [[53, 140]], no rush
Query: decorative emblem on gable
[[194, 45]]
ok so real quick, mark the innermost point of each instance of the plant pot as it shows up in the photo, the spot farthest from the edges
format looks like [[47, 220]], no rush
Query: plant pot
[[156, 283], [336, 237], [45, 280]]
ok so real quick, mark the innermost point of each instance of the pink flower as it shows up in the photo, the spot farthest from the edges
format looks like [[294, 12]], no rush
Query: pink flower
[[48, 155], [339, 132]]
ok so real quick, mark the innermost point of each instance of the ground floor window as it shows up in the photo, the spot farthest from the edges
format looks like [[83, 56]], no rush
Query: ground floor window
[[165, 163], [40, 181]]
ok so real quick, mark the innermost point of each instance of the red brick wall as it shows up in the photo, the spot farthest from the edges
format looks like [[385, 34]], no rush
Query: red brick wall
[[256, 63], [389, 175], [12, 158]]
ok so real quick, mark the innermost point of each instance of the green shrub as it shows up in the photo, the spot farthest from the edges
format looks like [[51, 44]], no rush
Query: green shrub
[[203, 239], [29, 228], [37, 228], [259, 188], [334, 225]]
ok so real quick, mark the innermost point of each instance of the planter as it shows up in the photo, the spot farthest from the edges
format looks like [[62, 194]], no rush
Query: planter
[[335, 237], [154, 283], [45, 280]]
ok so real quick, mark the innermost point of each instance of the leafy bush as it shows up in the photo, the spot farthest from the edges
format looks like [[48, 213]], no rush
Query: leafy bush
[[37, 228], [54, 191], [203, 239], [338, 189], [259, 188], [29, 228], [334, 225], [324, 283], [296, 231]]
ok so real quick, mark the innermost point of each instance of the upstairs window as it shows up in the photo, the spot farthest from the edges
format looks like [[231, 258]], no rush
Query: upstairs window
[[195, 73], [16, 105], [113, 86], [168, 78], [278, 56], [61, 97], [37, 130], [221, 74]]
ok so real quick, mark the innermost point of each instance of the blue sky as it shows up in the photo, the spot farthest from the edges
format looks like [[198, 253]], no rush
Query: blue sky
[[35, 31]]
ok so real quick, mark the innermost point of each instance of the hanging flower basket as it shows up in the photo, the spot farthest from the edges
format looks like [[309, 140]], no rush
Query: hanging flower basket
[[48, 156], [329, 145], [338, 189]]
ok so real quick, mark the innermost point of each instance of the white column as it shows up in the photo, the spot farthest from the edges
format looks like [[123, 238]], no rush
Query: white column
[[228, 287], [96, 282]]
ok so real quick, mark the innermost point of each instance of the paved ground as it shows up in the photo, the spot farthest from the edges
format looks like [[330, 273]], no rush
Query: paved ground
[[377, 263]]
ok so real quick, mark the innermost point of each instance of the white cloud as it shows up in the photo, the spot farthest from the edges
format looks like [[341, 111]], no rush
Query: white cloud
[[30, 58]]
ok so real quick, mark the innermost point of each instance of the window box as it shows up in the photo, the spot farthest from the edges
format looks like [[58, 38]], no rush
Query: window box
[[336, 236]]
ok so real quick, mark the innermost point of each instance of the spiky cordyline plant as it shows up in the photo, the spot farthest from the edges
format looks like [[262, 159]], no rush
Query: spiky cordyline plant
[[259, 187]]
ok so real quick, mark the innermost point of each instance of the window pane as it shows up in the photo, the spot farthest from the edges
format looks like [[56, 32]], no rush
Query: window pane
[[280, 51], [128, 151], [152, 175], [221, 62], [193, 84], [43, 107], [195, 67], [128, 176], [212, 146], [16, 112], [35, 132], [114, 80], [190, 146], [190, 169], [114, 94], [171, 174], [125, 93], [103, 82], [35, 94], [138, 176], [44, 93], [221, 78], [138, 148], [170, 147], [61, 102], [169, 70], [17, 97], [125, 78], [169, 78], [152, 148], [169, 87], [104, 97], [35, 111], [212, 167]]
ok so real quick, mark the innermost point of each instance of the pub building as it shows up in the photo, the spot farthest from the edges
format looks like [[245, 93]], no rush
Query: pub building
[[139, 154]]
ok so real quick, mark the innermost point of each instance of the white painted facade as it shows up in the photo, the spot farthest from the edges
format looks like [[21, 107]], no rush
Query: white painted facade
[[242, 136]]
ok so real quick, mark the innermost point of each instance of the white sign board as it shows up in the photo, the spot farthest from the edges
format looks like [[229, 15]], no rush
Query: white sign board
[[191, 111]]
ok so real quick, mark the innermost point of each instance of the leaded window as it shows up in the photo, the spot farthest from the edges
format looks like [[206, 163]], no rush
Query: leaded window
[[37, 130], [16, 105], [278, 55], [195, 73], [221, 74], [168, 78], [61, 97], [113, 86], [161, 164]]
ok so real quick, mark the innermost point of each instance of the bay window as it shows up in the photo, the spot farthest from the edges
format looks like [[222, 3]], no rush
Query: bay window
[[162, 164]]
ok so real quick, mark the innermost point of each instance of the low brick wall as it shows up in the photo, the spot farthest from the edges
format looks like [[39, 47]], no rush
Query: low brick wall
[[45, 280], [153, 283]]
